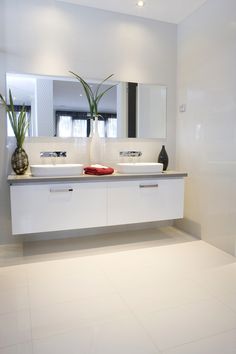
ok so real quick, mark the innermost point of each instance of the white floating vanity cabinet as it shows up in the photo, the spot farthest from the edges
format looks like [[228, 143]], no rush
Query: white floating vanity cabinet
[[75, 203], [53, 207]]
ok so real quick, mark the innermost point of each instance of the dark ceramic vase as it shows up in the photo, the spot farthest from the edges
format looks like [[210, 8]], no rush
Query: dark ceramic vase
[[19, 161], [163, 158]]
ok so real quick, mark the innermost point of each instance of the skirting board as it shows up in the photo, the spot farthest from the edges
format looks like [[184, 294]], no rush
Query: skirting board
[[189, 226]]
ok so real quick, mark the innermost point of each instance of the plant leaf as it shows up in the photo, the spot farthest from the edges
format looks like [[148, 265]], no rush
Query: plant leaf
[[88, 92], [98, 98], [19, 124], [102, 82], [93, 98]]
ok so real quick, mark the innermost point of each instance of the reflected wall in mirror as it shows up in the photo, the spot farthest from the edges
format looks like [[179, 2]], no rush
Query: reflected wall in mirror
[[58, 107]]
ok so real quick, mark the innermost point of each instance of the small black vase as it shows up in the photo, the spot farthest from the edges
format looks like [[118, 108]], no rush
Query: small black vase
[[163, 158], [19, 161]]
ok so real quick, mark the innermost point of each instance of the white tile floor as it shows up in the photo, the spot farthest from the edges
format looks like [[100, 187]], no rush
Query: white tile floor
[[144, 292]]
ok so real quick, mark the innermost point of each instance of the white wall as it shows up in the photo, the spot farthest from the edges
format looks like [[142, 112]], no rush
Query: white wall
[[206, 133], [151, 103], [50, 38]]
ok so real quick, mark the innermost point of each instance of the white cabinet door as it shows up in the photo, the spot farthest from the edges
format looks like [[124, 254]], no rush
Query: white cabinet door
[[123, 202], [53, 207], [161, 199], [145, 200]]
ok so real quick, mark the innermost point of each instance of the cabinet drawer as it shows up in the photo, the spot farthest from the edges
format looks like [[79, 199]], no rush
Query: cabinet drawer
[[53, 207], [161, 199], [145, 200]]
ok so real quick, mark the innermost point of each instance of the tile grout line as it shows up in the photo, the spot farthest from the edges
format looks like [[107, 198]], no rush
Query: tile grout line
[[215, 297], [134, 316], [198, 340], [30, 314], [170, 308]]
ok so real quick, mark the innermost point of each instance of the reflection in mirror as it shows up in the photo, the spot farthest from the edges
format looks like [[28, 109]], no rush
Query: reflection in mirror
[[58, 107], [151, 105]]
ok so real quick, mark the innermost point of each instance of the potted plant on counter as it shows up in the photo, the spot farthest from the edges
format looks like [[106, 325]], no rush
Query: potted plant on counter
[[20, 124]]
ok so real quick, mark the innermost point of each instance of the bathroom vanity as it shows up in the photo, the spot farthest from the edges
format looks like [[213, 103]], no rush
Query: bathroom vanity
[[44, 204]]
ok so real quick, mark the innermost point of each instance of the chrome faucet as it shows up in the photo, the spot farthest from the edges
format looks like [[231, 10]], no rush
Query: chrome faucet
[[130, 153], [53, 154]]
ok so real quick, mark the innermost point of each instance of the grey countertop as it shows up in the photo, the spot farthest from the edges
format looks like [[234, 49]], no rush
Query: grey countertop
[[28, 178]]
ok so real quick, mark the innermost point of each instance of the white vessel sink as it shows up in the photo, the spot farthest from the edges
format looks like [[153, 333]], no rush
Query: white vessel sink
[[56, 170], [140, 167]]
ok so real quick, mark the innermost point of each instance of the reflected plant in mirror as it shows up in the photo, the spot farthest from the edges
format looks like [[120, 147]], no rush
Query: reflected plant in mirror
[[59, 107], [94, 97]]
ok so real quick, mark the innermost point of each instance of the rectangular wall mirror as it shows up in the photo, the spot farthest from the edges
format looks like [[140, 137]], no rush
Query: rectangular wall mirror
[[58, 107]]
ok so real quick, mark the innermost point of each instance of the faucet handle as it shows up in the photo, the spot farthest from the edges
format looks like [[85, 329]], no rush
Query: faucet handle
[[61, 153], [130, 153], [53, 154]]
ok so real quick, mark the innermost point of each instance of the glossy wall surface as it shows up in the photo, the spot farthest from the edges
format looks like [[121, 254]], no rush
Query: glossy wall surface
[[206, 132], [4, 156]]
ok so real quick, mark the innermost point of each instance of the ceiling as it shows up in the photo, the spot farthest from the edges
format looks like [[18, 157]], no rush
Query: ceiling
[[173, 11]]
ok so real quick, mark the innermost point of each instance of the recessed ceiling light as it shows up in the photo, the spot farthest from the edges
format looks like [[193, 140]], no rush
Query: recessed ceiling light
[[140, 3]]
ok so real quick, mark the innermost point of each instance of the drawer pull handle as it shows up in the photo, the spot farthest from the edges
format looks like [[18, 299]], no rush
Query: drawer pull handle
[[148, 186], [61, 190]]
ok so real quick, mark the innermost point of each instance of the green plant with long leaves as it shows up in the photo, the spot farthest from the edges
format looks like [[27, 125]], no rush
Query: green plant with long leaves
[[93, 97], [19, 123]]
